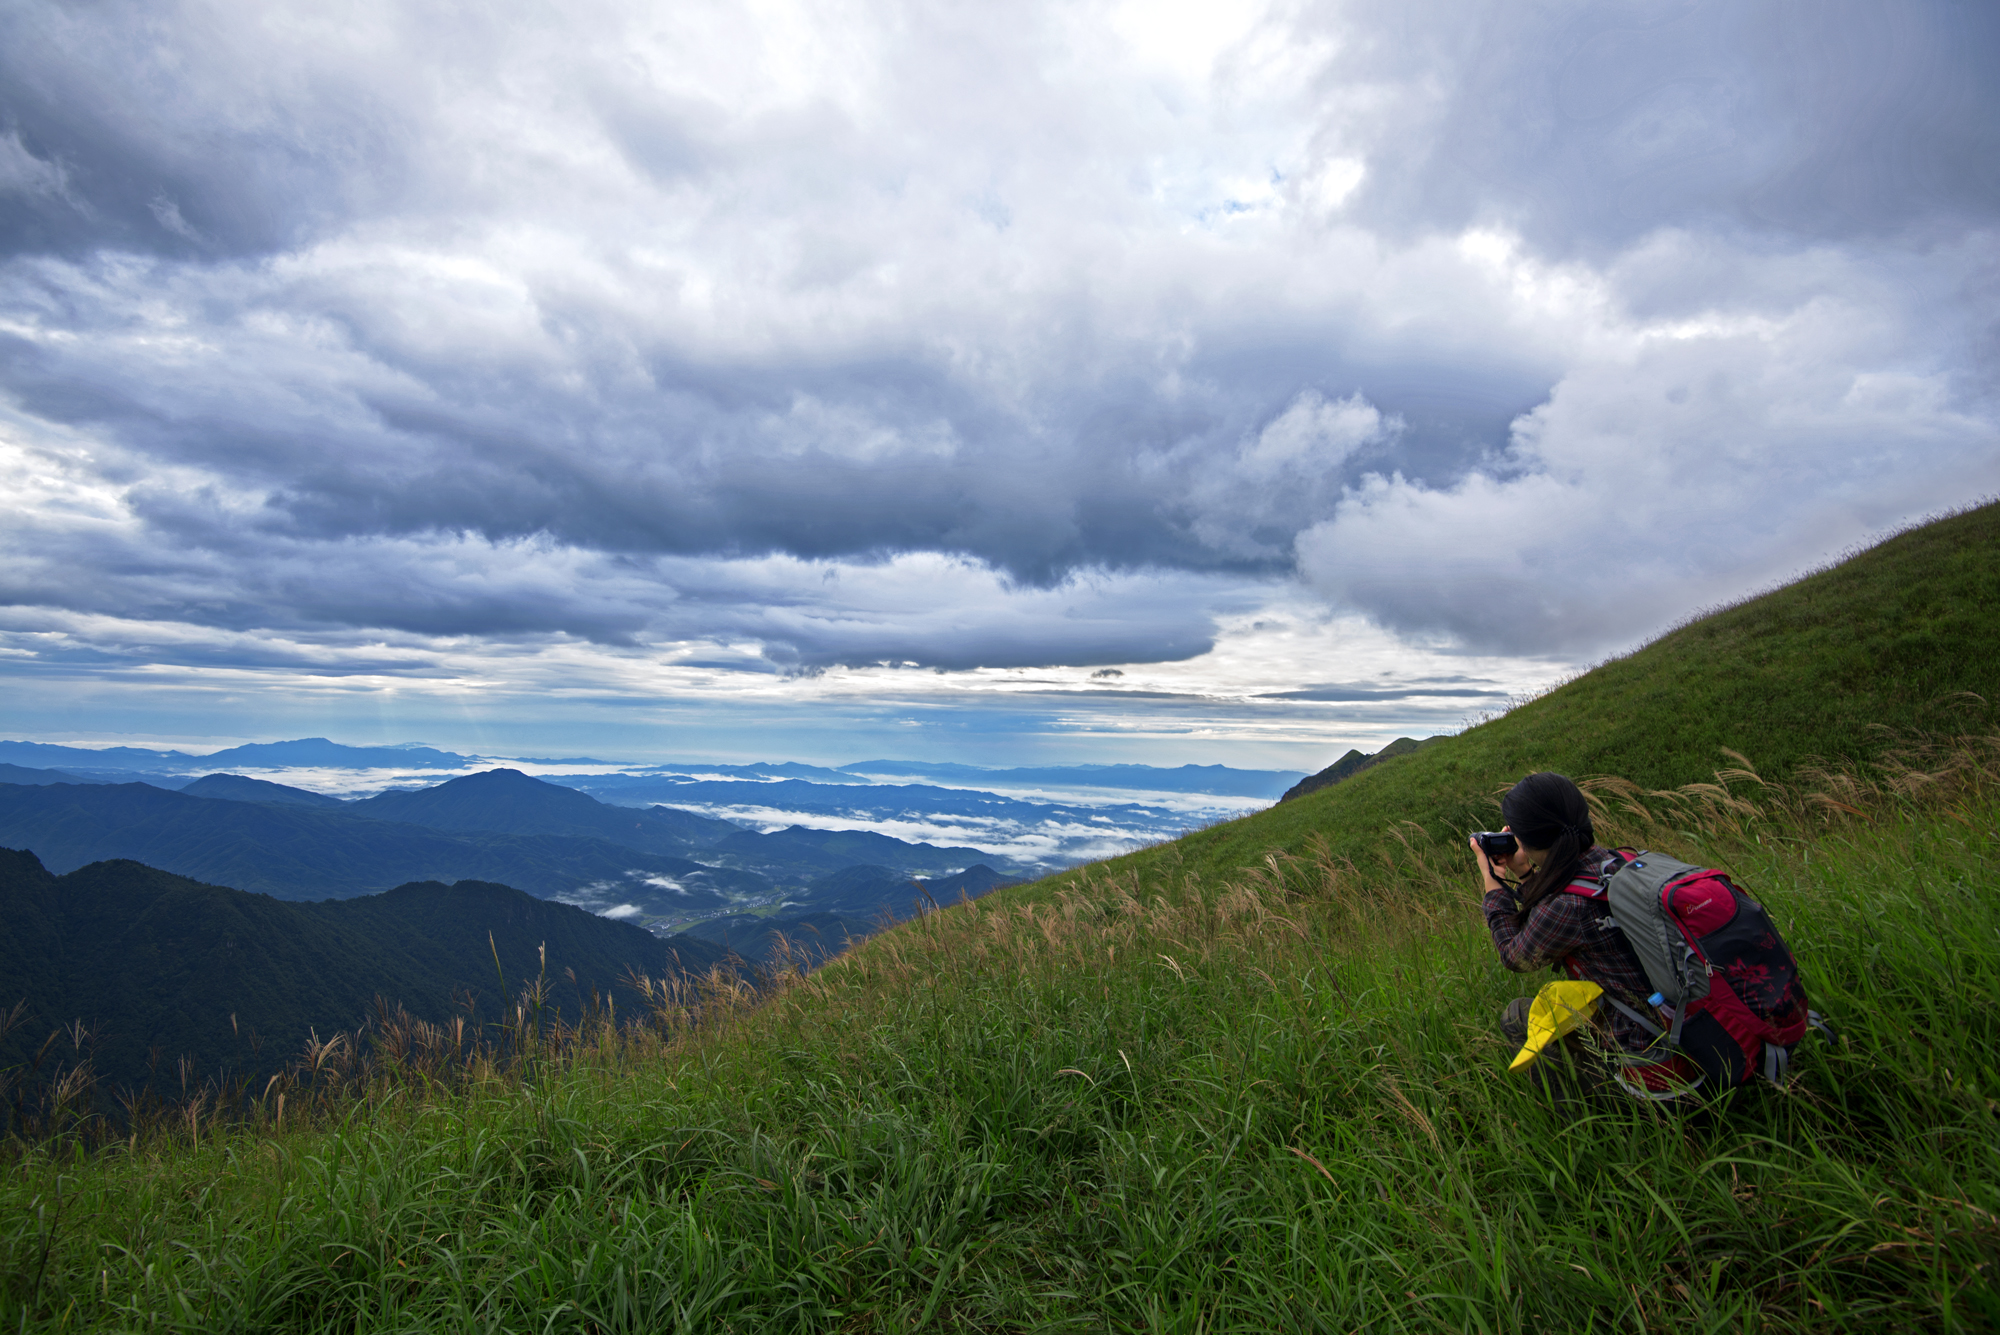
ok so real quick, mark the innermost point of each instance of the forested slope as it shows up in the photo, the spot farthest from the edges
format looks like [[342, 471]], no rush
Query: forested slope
[[157, 967]]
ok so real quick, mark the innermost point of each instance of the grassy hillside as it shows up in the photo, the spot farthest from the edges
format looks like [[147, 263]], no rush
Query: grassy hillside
[[1889, 639], [1144, 1106], [1197, 1090]]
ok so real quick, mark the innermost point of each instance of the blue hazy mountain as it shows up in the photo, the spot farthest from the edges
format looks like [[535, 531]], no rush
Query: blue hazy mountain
[[296, 852], [635, 853], [318, 752], [39, 777], [657, 781], [44, 755], [1215, 780], [500, 825], [509, 802], [672, 773], [240, 788], [790, 769], [875, 801], [312, 752]]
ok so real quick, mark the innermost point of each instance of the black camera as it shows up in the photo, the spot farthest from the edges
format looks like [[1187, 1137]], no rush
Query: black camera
[[1497, 843]]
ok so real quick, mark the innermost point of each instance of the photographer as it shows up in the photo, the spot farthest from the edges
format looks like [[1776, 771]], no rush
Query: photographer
[[1540, 923]]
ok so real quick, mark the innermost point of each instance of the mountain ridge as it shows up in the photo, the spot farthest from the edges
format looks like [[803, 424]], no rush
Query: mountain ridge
[[236, 981], [242, 788], [1353, 763], [40, 778], [298, 853], [508, 801]]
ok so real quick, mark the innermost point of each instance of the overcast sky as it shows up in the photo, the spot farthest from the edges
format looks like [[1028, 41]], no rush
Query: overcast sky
[[1160, 381]]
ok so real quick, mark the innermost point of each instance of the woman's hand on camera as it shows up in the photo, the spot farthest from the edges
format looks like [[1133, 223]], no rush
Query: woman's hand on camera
[[1487, 872]]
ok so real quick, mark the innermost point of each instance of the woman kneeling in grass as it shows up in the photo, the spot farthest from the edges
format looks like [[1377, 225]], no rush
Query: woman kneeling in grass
[[1537, 925]]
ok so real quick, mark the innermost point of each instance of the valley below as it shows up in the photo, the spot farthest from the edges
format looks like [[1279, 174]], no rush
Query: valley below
[[241, 913]]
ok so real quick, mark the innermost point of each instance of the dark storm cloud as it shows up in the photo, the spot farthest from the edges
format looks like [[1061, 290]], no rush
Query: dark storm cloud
[[168, 129], [465, 591], [858, 460], [956, 337], [1592, 125]]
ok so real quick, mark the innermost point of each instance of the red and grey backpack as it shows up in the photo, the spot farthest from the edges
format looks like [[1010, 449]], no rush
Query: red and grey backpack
[[1727, 985]]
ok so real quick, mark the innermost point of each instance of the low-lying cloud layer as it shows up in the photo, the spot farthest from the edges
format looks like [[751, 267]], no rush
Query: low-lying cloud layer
[[761, 341]]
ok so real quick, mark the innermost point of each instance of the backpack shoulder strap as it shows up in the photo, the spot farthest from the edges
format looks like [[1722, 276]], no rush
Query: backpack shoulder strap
[[1598, 886]]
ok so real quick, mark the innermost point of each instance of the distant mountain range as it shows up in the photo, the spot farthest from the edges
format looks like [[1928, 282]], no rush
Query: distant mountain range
[[310, 852], [319, 752], [160, 965], [506, 801], [39, 777], [307, 751], [42, 755], [1216, 780], [178, 923], [790, 769], [861, 801], [500, 825]]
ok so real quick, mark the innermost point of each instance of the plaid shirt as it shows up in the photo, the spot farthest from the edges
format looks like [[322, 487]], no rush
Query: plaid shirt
[[1567, 932]]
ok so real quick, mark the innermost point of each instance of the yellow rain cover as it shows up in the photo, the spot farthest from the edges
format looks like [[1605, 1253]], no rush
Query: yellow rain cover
[[1558, 1008]]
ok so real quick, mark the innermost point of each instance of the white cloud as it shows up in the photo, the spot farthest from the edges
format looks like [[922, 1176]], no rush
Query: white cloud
[[1680, 461], [21, 172], [670, 349], [1252, 500], [169, 215]]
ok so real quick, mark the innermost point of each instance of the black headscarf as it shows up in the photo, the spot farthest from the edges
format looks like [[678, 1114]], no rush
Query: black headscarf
[[1548, 814]]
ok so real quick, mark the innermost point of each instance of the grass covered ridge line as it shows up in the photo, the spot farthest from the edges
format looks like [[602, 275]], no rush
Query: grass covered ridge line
[[1902, 638], [1148, 1103]]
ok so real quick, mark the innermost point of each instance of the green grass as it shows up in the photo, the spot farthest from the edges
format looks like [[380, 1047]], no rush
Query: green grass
[[1277, 1104], [1247, 1081]]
